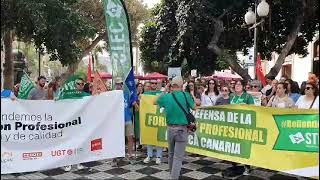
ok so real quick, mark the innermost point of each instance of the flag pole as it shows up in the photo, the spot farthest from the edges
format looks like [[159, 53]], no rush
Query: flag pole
[[131, 56]]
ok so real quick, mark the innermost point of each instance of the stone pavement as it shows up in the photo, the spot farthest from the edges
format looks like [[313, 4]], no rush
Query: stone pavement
[[194, 167]]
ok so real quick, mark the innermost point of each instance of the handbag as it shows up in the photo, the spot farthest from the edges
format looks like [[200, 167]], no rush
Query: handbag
[[190, 118]]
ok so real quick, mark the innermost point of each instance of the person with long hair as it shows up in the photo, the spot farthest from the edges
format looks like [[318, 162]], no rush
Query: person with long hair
[[52, 88], [211, 95], [293, 90], [281, 99], [190, 88], [311, 98]]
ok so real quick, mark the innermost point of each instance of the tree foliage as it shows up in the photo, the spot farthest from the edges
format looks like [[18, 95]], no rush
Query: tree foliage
[[51, 25], [200, 31]]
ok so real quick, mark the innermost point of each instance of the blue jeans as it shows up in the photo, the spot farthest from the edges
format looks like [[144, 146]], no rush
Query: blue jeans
[[150, 151]]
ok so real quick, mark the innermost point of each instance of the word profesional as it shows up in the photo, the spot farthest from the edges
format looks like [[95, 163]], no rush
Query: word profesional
[[39, 126]]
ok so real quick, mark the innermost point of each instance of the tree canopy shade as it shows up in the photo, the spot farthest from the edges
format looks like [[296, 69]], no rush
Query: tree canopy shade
[[51, 24], [204, 32]]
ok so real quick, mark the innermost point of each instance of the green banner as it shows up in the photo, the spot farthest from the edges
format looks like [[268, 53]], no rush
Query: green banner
[[69, 90], [118, 38], [26, 85], [297, 133]]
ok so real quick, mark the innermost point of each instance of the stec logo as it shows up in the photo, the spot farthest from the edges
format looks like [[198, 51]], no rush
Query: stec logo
[[68, 152], [31, 155], [96, 144]]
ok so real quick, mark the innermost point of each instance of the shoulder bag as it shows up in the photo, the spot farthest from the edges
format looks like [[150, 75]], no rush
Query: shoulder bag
[[190, 118]]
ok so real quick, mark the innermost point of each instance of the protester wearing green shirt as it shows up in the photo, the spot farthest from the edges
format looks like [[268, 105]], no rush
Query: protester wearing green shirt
[[177, 124], [240, 96]]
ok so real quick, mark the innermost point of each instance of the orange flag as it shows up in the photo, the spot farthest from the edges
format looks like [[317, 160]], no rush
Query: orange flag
[[98, 86]]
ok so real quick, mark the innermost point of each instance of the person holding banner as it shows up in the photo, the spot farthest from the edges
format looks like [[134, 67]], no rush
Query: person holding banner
[[311, 98], [154, 92], [129, 129], [39, 93], [281, 99], [240, 96], [177, 123]]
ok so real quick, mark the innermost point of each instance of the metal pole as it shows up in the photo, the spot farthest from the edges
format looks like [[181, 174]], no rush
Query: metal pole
[[39, 63], [255, 52]]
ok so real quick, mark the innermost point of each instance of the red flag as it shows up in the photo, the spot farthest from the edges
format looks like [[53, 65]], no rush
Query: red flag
[[89, 79], [259, 72]]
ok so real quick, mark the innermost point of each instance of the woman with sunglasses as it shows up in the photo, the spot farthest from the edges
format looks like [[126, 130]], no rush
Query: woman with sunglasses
[[224, 99], [210, 95], [311, 98], [254, 91]]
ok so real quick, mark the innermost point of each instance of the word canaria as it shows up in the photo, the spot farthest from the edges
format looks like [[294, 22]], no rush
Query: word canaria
[[39, 126], [254, 135], [215, 145], [230, 117]]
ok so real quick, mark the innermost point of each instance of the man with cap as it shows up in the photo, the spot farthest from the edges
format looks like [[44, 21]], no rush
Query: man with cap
[[177, 123], [154, 92], [129, 130]]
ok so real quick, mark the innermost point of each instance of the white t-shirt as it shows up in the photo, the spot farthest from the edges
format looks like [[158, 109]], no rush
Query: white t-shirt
[[302, 103], [207, 100]]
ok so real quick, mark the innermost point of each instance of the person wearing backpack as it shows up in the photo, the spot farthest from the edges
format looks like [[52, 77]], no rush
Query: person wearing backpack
[[177, 105]]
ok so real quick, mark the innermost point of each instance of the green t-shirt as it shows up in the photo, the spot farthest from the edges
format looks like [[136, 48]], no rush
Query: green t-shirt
[[245, 98], [174, 114], [154, 93]]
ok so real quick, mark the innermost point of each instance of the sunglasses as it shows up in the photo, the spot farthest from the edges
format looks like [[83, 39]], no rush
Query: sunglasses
[[80, 84], [225, 90], [254, 86], [308, 88], [212, 83]]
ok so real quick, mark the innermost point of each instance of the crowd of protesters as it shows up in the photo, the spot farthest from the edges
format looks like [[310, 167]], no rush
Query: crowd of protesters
[[282, 93]]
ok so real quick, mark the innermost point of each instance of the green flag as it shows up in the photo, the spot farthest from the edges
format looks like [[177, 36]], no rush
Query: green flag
[[119, 38], [26, 85], [69, 90]]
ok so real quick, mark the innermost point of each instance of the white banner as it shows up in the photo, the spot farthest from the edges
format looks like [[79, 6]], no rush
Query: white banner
[[44, 134]]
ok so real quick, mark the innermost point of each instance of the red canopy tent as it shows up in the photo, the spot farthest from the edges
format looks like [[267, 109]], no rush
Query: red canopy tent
[[226, 76], [155, 75], [105, 75]]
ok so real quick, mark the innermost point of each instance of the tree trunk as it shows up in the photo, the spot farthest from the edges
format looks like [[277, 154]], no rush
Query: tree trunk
[[230, 58], [72, 68], [290, 41], [8, 62]]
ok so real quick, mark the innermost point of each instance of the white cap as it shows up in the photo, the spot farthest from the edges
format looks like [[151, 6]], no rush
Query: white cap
[[177, 81]]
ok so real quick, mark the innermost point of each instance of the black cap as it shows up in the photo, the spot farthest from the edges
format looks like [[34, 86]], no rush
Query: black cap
[[41, 77]]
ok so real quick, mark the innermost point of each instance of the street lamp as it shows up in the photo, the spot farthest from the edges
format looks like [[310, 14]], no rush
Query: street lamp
[[251, 19]]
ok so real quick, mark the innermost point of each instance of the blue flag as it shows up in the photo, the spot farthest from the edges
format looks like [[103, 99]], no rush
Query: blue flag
[[131, 87]]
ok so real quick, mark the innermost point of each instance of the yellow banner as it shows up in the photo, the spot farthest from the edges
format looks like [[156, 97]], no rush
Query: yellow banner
[[284, 140]]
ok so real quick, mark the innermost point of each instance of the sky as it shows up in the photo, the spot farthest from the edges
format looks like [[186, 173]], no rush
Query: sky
[[151, 3]]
